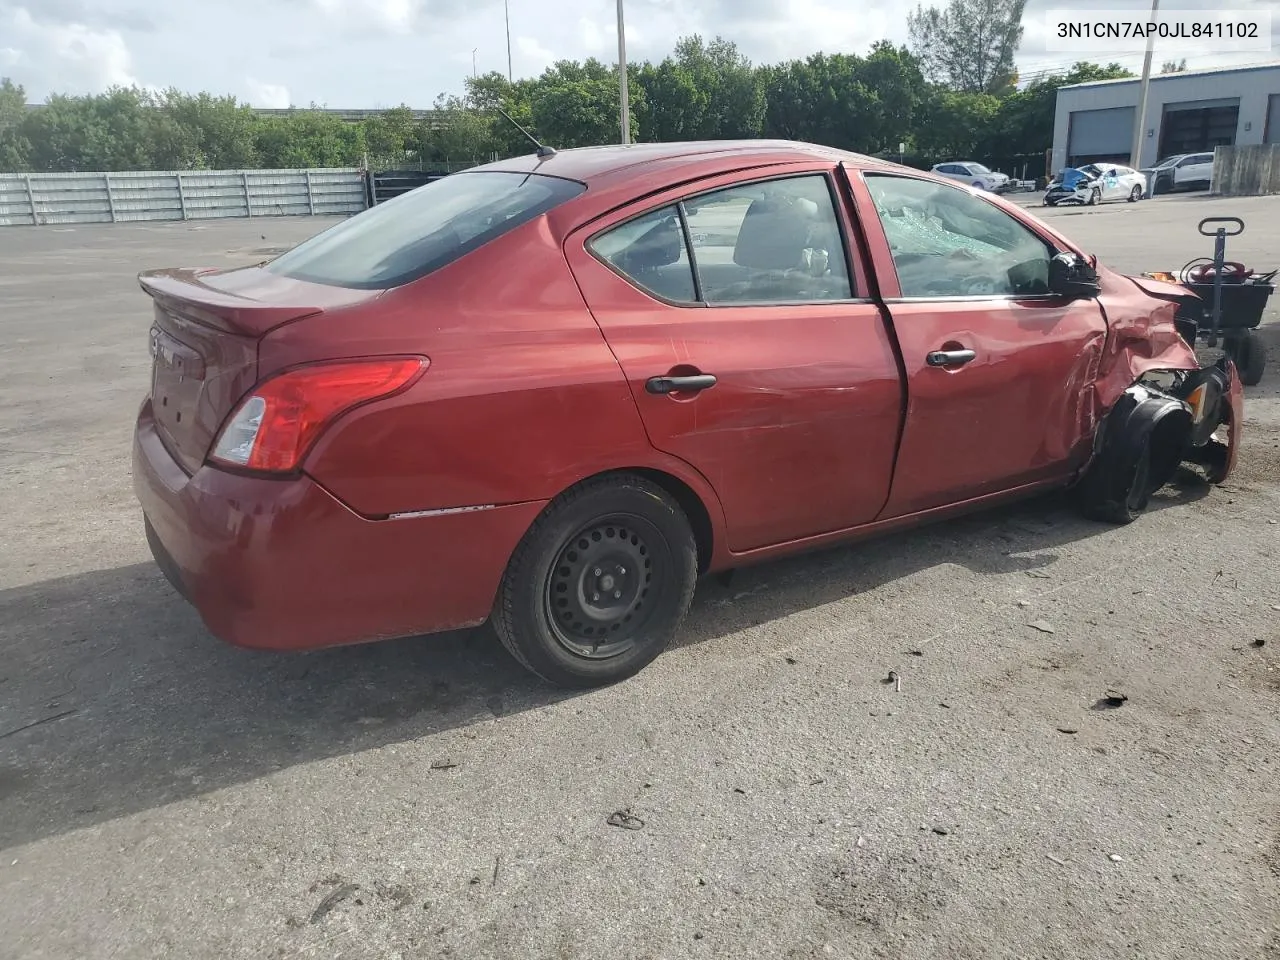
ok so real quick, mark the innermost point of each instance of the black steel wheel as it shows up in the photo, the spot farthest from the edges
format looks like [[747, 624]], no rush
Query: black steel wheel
[[600, 584], [599, 595]]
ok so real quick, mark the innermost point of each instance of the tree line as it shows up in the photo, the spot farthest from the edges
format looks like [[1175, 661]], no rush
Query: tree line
[[952, 93]]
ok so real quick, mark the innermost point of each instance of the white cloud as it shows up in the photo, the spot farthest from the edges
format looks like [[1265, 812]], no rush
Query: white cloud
[[362, 53], [534, 57], [270, 95], [66, 57]]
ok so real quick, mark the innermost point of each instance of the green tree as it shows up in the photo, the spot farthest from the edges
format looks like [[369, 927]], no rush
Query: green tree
[[390, 135], [308, 138], [104, 132], [222, 129], [968, 45], [1173, 66], [1024, 122], [703, 91], [460, 133], [953, 123], [576, 105], [15, 149]]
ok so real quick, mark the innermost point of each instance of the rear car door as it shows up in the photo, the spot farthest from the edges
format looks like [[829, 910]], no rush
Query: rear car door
[[751, 347], [1195, 169], [999, 371]]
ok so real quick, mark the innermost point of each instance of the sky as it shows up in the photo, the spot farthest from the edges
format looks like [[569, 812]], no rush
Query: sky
[[381, 53]]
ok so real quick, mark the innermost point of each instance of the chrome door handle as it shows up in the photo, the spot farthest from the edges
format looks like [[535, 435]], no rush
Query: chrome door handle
[[949, 358], [691, 384]]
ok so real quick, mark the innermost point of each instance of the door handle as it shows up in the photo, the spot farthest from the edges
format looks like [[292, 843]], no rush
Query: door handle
[[690, 384], [949, 358]]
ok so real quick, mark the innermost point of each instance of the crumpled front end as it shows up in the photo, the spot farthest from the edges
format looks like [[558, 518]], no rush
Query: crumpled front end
[[1158, 407]]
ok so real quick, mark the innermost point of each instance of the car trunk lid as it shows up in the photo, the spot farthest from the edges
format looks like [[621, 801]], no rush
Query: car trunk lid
[[204, 344]]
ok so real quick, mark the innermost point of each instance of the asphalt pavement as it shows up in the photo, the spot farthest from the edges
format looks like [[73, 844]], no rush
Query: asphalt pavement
[[163, 795]]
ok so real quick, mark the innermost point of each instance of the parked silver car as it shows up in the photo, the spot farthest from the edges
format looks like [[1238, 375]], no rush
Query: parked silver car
[[974, 174]]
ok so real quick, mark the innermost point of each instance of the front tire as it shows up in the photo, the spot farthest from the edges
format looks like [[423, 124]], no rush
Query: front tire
[[1102, 501], [1095, 197], [1135, 194], [600, 584]]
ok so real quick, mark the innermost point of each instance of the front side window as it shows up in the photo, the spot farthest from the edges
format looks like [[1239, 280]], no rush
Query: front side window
[[776, 241], [423, 230], [946, 242]]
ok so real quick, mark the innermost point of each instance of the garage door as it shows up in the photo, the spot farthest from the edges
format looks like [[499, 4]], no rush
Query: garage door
[[1273, 119], [1095, 136], [1199, 125]]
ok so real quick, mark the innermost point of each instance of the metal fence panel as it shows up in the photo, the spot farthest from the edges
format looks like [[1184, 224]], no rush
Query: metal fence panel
[[1246, 171], [134, 196]]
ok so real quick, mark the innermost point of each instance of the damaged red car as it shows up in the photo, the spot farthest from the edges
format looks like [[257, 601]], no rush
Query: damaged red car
[[552, 392]]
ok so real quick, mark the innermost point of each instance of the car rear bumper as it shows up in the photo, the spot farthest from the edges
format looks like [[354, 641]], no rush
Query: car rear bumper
[[283, 565]]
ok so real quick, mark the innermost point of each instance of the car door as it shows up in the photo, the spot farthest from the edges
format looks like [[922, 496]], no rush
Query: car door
[[999, 372], [1113, 184], [751, 346], [1197, 168]]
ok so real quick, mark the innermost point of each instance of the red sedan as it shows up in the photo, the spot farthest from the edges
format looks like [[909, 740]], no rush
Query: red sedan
[[553, 391]]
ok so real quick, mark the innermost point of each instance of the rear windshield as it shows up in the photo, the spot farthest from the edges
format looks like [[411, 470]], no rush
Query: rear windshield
[[420, 231]]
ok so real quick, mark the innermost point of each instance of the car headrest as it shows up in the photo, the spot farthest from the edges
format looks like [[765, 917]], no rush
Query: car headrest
[[774, 233], [658, 247]]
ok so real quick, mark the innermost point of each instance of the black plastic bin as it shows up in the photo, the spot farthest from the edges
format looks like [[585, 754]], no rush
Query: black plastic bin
[[1242, 303]]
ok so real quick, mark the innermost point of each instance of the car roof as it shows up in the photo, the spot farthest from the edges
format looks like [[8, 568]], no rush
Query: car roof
[[614, 162], [616, 174]]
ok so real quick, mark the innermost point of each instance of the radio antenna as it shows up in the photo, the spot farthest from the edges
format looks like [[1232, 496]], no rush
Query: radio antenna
[[543, 149]]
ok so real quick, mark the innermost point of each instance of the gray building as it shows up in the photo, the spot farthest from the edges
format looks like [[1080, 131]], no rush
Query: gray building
[[1187, 112]]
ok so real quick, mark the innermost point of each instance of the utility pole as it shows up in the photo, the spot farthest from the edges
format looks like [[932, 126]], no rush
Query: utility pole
[[506, 9], [1140, 117], [473, 63], [624, 101]]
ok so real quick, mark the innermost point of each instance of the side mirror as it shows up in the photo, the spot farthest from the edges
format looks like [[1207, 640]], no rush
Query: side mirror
[[1071, 276]]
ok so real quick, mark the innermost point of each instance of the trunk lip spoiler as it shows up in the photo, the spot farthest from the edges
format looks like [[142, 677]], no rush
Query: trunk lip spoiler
[[180, 293]]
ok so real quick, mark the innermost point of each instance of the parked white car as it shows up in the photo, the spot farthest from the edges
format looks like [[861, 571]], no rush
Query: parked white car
[[1096, 183], [974, 174], [1187, 171]]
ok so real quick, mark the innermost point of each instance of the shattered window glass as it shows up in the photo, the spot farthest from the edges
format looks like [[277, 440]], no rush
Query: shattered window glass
[[947, 242]]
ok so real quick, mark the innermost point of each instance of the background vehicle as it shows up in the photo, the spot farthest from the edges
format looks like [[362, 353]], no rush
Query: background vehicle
[[974, 174], [1096, 183], [1189, 171], [553, 391]]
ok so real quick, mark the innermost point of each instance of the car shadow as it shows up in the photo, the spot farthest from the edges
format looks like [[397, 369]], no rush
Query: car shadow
[[114, 700]]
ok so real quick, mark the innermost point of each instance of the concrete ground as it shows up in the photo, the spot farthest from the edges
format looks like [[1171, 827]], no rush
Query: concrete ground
[[162, 795]]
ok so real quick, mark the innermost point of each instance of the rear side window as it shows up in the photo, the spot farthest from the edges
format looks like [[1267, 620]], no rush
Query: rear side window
[[420, 231], [651, 252]]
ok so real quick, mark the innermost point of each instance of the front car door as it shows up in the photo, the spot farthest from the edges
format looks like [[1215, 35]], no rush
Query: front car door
[[752, 347], [1113, 185], [999, 371]]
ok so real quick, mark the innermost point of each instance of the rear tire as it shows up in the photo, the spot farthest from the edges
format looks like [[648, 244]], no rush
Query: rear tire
[[600, 584], [1250, 356]]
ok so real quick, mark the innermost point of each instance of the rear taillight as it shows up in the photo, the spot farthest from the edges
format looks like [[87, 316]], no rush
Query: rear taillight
[[273, 428]]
